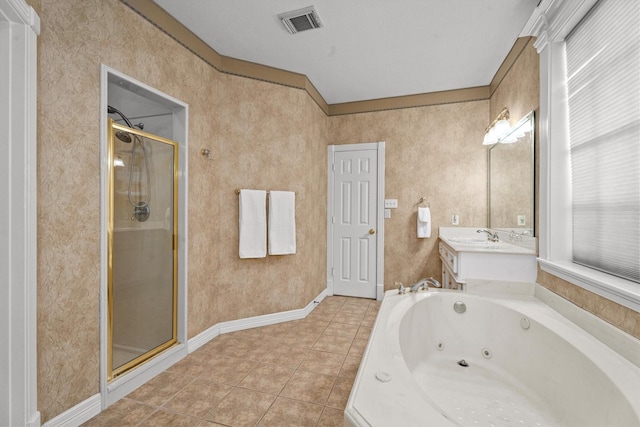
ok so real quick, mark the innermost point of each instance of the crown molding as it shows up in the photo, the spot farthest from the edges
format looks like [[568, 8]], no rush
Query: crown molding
[[410, 101], [513, 55], [18, 11], [153, 13], [553, 20]]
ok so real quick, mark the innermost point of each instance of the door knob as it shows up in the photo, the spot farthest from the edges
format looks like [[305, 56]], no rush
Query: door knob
[[372, 231]]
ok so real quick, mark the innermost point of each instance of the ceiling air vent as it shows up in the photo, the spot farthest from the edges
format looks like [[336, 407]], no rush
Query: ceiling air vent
[[300, 20]]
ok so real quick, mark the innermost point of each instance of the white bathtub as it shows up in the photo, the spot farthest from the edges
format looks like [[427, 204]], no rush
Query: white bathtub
[[527, 364]]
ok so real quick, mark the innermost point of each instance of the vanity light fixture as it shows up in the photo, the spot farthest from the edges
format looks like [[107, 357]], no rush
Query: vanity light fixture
[[518, 131], [498, 128]]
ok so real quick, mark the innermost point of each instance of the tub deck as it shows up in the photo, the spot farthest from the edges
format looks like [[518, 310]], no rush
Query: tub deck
[[409, 374]]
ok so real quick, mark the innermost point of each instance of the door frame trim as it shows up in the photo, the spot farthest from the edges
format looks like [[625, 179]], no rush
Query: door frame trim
[[19, 30], [331, 150]]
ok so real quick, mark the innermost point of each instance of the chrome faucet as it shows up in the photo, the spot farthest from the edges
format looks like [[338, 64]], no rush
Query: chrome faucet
[[424, 284], [420, 284], [493, 237], [434, 282]]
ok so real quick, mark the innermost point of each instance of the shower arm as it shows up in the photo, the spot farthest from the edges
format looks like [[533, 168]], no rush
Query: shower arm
[[112, 110]]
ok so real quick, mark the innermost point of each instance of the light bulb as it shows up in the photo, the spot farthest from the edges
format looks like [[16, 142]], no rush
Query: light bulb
[[489, 138], [502, 128]]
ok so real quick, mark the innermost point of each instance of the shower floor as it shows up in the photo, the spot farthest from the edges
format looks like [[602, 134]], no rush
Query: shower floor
[[476, 395]]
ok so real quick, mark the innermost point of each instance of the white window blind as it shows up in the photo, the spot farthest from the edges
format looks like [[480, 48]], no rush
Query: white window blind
[[603, 83]]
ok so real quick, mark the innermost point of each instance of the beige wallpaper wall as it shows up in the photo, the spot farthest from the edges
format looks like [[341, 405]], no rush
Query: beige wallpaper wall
[[519, 91], [261, 136], [433, 152]]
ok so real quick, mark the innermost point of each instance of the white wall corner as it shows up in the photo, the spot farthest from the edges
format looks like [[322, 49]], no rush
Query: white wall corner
[[19, 27]]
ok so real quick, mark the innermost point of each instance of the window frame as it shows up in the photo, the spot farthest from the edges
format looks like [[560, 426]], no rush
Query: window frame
[[550, 23]]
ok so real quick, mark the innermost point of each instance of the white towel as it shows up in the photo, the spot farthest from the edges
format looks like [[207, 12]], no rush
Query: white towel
[[424, 223], [282, 222], [253, 223]]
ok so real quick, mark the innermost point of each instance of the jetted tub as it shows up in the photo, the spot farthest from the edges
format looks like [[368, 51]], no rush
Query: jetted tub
[[508, 359]]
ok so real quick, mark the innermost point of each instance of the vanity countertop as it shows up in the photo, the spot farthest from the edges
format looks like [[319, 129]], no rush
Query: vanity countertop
[[467, 239]]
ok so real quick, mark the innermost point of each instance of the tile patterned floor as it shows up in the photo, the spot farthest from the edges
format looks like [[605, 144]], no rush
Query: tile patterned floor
[[297, 373]]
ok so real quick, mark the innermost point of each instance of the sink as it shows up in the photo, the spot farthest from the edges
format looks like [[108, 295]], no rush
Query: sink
[[473, 241], [480, 244]]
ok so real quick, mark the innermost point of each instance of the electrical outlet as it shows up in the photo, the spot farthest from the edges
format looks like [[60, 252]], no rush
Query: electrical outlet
[[387, 213], [522, 220], [455, 219], [391, 203]]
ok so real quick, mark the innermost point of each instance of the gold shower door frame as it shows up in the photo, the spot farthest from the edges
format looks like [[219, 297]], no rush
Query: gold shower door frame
[[113, 127]]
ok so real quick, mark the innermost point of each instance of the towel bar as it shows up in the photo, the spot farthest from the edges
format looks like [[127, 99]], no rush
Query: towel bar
[[238, 192]]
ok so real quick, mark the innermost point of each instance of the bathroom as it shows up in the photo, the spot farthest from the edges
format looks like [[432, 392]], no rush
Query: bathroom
[[261, 135]]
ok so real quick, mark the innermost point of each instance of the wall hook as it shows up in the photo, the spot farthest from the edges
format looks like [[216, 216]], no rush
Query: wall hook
[[206, 152]]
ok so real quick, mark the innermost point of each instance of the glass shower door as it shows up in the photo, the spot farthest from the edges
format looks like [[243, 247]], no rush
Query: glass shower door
[[142, 247]]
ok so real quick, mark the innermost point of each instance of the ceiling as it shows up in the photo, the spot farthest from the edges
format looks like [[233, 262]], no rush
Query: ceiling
[[366, 49]]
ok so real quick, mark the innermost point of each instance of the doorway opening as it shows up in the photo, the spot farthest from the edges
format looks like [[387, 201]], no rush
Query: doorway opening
[[143, 323]]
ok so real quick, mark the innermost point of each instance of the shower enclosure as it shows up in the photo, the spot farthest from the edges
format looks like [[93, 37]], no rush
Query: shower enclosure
[[142, 245]]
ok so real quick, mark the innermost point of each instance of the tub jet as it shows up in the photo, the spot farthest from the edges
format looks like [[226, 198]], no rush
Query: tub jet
[[463, 363]]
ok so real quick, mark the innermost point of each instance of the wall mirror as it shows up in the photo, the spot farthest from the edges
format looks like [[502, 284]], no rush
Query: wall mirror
[[511, 180]]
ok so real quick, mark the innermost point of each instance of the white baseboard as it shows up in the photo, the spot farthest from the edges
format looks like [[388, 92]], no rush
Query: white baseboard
[[125, 384], [34, 421], [91, 407], [79, 414], [252, 322]]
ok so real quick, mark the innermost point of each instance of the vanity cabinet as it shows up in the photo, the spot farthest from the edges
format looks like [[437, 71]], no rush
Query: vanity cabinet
[[449, 260], [461, 262]]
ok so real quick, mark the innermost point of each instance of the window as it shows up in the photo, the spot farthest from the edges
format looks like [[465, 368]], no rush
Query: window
[[603, 92], [590, 144]]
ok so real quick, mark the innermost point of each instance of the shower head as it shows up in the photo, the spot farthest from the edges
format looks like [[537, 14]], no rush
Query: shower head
[[123, 136]]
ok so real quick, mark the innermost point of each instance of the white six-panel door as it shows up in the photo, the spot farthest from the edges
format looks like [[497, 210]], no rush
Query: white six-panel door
[[354, 222]]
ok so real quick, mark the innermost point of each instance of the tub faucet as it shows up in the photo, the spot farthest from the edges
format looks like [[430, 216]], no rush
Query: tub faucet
[[420, 284], [424, 284], [493, 237], [434, 282]]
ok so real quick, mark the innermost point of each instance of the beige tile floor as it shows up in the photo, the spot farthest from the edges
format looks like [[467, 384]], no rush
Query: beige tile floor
[[297, 373]]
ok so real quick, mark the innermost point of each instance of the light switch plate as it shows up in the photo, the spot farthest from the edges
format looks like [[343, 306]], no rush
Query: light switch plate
[[387, 213], [390, 203]]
